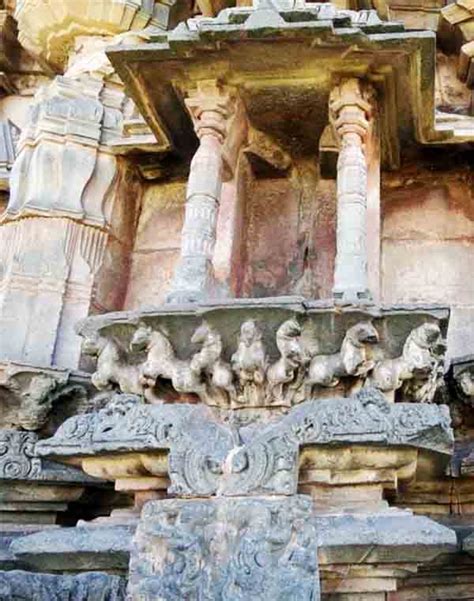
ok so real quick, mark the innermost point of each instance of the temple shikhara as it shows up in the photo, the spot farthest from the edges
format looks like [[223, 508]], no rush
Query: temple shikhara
[[236, 300]]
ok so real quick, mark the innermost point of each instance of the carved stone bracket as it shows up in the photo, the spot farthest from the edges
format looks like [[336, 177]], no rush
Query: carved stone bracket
[[208, 456], [28, 394]]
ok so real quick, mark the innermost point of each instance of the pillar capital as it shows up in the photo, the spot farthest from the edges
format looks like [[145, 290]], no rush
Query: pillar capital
[[351, 107], [210, 107], [48, 28]]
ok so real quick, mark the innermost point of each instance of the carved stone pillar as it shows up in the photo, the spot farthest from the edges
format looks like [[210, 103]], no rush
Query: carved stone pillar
[[350, 111], [194, 276], [64, 241]]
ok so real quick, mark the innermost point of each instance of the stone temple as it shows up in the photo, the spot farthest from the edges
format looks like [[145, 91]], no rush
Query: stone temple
[[237, 300]]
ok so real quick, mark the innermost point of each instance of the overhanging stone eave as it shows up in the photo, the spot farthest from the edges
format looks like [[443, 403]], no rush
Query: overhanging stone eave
[[155, 95]]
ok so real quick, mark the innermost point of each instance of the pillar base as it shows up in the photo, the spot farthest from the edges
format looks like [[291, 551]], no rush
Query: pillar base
[[352, 297]]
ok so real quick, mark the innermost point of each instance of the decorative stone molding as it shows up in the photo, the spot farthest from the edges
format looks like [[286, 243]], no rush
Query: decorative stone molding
[[92, 586], [65, 181], [238, 549], [146, 362], [35, 490], [18, 462], [67, 125], [211, 108], [9, 134], [71, 550], [48, 28], [207, 456], [351, 110]]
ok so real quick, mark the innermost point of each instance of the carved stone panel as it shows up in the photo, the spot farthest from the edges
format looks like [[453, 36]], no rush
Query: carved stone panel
[[208, 455], [225, 549]]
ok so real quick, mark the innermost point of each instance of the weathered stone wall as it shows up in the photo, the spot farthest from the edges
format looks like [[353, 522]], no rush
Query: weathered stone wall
[[157, 242], [428, 238]]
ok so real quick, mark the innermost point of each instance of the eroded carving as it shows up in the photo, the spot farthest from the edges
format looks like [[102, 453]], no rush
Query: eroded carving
[[113, 369], [19, 462], [286, 376], [354, 358], [28, 394], [207, 455], [418, 368], [226, 549]]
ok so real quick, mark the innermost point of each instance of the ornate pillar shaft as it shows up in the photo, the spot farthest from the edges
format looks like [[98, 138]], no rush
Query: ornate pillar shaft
[[350, 111], [194, 277]]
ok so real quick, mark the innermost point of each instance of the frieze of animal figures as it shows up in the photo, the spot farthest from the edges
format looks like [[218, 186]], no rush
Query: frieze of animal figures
[[249, 378]]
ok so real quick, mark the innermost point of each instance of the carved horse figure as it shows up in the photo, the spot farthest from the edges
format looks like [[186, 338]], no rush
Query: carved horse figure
[[209, 362], [288, 372], [354, 358], [161, 362], [419, 358], [113, 369]]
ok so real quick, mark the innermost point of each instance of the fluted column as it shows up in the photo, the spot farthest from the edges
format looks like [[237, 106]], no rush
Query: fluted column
[[194, 278], [350, 110]]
